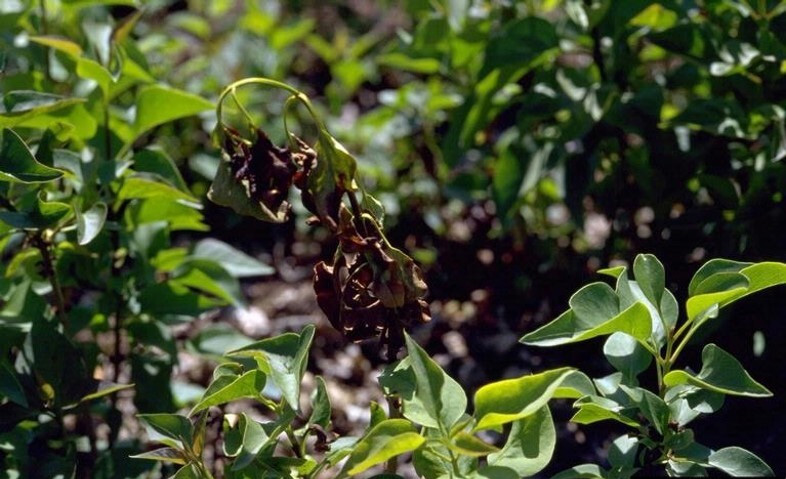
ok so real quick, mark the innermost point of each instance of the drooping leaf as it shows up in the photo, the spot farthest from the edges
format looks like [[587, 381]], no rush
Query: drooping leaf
[[505, 401], [720, 372]]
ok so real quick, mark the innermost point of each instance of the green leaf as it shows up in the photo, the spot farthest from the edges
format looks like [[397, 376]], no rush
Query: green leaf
[[320, 405], [189, 471], [58, 43], [209, 277], [703, 305], [90, 222], [622, 453], [737, 462], [387, 439], [505, 185], [377, 414], [22, 106], [245, 438], [230, 388], [720, 372], [530, 444], [176, 299], [145, 187], [157, 162], [92, 70], [158, 104], [401, 61], [237, 263], [163, 454], [590, 471], [626, 354], [764, 275], [574, 386], [43, 215], [173, 426], [512, 399], [104, 389], [595, 408], [650, 276], [471, 445], [570, 327], [650, 405], [443, 399], [10, 387], [286, 356], [17, 163]]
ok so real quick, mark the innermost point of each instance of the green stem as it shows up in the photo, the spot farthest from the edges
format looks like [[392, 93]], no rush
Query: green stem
[[394, 413], [297, 448], [270, 83], [45, 31]]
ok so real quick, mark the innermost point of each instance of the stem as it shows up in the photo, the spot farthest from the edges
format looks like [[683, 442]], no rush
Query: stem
[[49, 270], [297, 448], [45, 31], [393, 413], [270, 83], [671, 360]]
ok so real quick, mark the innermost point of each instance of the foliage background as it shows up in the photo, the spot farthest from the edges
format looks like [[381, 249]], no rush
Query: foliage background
[[517, 148]]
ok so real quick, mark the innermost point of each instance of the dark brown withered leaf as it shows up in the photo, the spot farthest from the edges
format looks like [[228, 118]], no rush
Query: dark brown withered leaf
[[254, 179], [372, 289]]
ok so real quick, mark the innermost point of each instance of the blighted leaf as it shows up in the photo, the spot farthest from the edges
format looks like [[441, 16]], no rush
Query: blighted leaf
[[720, 372], [264, 172], [17, 163], [373, 289]]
